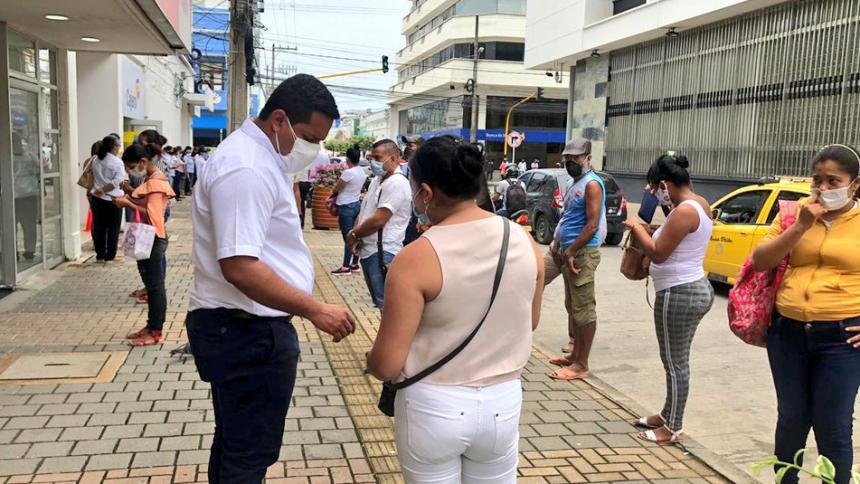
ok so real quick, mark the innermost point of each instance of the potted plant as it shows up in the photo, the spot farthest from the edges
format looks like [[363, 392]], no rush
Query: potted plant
[[324, 178]]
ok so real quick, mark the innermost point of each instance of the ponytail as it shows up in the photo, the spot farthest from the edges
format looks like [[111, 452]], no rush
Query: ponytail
[[109, 143]]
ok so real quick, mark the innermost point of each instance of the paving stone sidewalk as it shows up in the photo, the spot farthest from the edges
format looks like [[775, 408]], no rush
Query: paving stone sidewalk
[[153, 421]]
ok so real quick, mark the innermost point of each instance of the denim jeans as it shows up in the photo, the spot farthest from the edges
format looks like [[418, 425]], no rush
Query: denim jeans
[[152, 272], [251, 363], [346, 215], [375, 278], [816, 374]]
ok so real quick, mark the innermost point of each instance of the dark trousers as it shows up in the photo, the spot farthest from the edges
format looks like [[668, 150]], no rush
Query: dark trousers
[[816, 374], [152, 272], [250, 362], [346, 215], [28, 216], [304, 191], [107, 218], [190, 180], [178, 182]]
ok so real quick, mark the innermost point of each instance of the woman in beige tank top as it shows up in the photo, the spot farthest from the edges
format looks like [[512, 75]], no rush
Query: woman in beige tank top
[[460, 423]]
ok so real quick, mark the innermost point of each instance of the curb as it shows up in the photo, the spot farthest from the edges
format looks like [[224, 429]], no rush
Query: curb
[[717, 463]]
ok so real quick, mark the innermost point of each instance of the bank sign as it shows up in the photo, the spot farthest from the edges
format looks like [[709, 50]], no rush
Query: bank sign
[[132, 90]]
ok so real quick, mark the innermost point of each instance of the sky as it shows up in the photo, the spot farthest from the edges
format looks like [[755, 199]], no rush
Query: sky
[[334, 36]]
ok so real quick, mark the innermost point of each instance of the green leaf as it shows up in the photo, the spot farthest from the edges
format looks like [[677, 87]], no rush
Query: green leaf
[[769, 461], [825, 468], [780, 474]]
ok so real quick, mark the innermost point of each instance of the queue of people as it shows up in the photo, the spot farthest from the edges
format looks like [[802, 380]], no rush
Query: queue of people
[[459, 304]]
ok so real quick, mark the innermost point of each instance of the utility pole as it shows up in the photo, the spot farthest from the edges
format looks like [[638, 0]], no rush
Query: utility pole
[[237, 102], [272, 69], [473, 133]]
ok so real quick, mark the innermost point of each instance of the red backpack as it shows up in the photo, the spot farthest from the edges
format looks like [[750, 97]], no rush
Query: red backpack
[[752, 299]]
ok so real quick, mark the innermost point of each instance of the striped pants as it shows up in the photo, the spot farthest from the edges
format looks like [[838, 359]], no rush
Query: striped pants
[[677, 313]]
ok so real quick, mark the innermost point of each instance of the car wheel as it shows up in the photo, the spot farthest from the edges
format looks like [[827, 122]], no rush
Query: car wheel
[[614, 238], [543, 234]]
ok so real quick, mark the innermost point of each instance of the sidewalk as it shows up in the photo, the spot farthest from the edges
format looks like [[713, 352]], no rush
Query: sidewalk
[[143, 416]]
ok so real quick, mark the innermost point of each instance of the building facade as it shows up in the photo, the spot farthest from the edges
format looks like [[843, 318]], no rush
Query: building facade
[[433, 93], [375, 123], [209, 54], [64, 84], [745, 89]]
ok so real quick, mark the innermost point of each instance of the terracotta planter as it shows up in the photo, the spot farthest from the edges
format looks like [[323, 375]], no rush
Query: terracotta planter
[[322, 219]]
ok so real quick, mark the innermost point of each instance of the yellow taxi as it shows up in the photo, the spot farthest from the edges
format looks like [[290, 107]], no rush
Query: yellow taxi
[[742, 219]]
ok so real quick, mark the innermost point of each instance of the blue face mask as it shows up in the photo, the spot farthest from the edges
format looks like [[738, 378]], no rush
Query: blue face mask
[[376, 168], [423, 219]]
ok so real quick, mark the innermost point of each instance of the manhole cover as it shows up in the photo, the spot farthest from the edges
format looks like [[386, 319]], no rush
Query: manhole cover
[[60, 367]]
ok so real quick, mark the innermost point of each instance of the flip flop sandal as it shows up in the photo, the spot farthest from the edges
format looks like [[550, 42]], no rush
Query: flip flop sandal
[[578, 375], [642, 423], [142, 300], [560, 361], [136, 334], [150, 338], [137, 293], [650, 436]]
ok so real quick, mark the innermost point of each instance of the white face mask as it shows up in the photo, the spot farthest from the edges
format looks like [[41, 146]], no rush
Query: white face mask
[[663, 195], [137, 173], [302, 154], [834, 199]]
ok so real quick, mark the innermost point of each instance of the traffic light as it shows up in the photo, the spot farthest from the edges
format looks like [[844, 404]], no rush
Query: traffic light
[[539, 93], [385, 64]]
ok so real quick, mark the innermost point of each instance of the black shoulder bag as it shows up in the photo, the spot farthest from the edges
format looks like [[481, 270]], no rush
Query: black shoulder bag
[[389, 389]]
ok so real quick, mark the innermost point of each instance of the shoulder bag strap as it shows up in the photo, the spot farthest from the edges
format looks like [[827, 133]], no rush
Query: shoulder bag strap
[[500, 269], [379, 248]]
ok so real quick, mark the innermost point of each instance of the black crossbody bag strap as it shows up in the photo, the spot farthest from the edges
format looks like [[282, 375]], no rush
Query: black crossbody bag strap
[[500, 269], [380, 251]]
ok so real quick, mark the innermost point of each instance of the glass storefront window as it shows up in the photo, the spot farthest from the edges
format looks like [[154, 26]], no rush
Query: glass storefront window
[[22, 54], [49, 109], [51, 196], [25, 162], [48, 66]]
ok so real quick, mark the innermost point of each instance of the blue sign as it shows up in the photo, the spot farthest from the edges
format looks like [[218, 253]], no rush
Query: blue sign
[[19, 118]]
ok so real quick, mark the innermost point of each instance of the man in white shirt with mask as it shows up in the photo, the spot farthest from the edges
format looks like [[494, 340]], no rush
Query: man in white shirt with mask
[[253, 273], [385, 211]]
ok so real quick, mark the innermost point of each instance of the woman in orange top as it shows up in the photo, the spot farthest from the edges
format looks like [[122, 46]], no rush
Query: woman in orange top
[[150, 199], [813, 351]]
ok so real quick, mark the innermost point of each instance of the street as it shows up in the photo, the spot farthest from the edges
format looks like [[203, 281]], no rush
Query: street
[[732, 406]]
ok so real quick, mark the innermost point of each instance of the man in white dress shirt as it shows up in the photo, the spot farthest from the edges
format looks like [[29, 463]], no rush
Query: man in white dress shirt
[[253, 273]]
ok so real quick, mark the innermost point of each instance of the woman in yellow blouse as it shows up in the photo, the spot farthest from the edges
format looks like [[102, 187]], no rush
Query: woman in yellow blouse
[[813, 350]]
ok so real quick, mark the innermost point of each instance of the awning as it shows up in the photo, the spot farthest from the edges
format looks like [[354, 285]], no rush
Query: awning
[[118, 26]]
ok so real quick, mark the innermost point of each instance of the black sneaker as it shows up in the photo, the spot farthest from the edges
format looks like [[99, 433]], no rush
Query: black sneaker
[[341, 271]]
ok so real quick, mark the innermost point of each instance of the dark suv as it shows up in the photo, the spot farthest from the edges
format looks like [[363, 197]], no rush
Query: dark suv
[[545, 190]]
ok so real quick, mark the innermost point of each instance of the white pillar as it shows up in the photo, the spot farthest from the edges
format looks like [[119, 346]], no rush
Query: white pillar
[[67, 90]]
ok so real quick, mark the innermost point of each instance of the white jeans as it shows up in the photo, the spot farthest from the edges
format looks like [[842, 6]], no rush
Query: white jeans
[[451, 434]]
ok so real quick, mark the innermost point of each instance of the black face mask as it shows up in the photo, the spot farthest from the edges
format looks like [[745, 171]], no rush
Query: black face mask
[[408, 152], [574, 169]]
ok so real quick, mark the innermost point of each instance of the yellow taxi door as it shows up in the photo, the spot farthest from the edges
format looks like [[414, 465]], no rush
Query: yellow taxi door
[[737, 220], [792, 194]]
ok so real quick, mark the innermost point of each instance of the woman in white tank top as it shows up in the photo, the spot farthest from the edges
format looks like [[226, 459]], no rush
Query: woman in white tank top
[[684, 295], [460, 423]]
